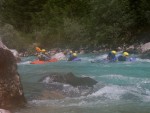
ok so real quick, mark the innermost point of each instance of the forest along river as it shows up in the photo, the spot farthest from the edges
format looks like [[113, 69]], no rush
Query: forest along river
[[123, 87]]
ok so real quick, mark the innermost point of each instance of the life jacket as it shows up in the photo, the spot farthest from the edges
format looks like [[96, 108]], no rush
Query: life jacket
[[121, 58], [111, 57]]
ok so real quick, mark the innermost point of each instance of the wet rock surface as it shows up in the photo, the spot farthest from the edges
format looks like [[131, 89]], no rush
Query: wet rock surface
[[70, 79], [58, 86], [14, 52], [11, 91]]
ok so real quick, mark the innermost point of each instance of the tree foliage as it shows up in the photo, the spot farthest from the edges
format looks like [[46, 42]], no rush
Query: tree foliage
[[76, 23]]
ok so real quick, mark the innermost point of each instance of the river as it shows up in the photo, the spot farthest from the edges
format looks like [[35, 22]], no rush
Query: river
[[123, 87]]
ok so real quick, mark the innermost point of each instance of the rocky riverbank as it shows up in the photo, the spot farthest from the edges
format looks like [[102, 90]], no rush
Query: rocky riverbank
[[11, 91]]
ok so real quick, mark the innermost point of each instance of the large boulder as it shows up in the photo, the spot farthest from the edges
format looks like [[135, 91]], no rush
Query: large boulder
[[145, 47], [61, 85], [134, 49], [11, 91], [2, 45], [145, 55], [145, 51], [15, 53], [70, 79]]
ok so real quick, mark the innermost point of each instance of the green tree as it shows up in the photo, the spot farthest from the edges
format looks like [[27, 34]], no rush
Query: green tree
[[19, 12]]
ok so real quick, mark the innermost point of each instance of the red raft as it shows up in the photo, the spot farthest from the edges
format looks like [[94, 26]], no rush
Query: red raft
[[43, 62]]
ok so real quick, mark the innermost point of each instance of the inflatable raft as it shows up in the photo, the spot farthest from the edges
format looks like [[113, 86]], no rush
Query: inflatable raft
[[43, 62], [131, 59]]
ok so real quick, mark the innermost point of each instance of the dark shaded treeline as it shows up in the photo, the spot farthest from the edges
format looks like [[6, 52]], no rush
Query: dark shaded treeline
[[74, 23]]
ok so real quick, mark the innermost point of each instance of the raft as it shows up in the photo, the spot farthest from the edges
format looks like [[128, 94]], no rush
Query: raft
[[76, 59], [131, 59], [44, 62]]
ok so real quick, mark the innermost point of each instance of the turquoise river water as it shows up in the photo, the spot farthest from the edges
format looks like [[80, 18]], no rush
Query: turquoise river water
[[123, 87]]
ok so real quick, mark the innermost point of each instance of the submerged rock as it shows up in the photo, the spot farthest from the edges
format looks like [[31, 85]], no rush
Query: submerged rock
[[11, 91], [70, 79], [57, 86]]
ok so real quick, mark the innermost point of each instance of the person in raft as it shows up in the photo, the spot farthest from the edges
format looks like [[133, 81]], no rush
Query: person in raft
[[69, 55], [123, 57], [112, 56], [43, 55], [72, 56]]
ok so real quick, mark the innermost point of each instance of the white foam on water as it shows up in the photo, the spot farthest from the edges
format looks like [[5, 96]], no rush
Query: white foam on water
[[106, 94], [114, 76], [24, 63], [143, 60], [61, 102], [109, 92], [130, 80], [104, 56], [86, 58], [47, 80], [134, 87], [112, 92], [44, 102]]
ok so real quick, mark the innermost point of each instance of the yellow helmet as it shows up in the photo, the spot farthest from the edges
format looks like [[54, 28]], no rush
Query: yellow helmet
[[125, 54], [43, 50], [74, 54], [114, 52]]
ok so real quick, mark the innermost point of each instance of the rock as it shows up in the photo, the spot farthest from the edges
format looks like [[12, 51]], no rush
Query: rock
[[145, 47], [70, 79], [4, 111], [134, 49], [2, 45], [145, 55], [58, 86], [11, 91], [15, 53]]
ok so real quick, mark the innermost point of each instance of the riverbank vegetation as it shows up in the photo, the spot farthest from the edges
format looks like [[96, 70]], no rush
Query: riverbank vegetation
[[74, 23]]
